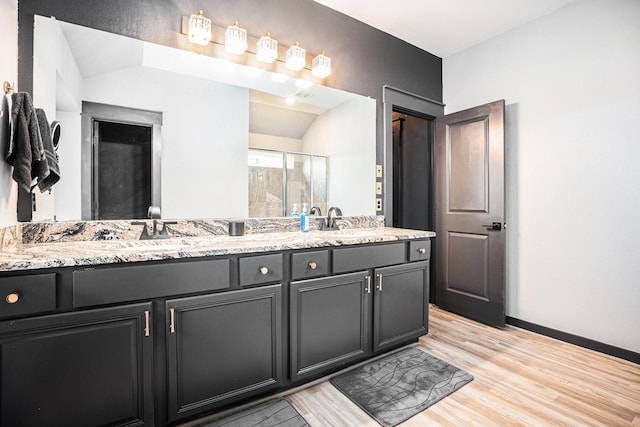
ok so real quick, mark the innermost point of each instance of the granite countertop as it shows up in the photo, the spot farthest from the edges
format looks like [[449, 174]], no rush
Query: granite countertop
[[84, 253]]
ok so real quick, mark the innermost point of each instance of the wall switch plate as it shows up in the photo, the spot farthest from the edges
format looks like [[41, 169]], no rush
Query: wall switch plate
[[379, 204], [378, 171], [378, 188]]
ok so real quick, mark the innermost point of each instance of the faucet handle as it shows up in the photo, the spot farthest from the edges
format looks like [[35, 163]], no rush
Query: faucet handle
[[145, 232], [164, 230]]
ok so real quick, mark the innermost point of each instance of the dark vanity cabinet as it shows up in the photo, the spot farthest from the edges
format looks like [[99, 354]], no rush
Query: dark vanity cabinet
[[157, 343], [401, 304], [344, 318], [91, 368], [221, 347], [329, 322]]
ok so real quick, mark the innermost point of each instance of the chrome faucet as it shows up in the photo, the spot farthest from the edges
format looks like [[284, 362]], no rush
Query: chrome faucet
[[331, 218]]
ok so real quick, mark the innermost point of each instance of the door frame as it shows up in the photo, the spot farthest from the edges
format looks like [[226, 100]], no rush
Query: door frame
[[394, 99], [92, 111]]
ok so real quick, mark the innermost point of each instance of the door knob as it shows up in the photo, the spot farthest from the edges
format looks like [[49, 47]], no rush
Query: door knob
[[495, 226]]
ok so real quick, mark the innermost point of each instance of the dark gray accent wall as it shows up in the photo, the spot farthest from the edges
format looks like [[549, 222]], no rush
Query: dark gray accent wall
[[364, 59]]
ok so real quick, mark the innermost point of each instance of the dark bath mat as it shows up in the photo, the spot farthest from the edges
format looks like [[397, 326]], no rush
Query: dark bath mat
[[277, 412], [395, 388]]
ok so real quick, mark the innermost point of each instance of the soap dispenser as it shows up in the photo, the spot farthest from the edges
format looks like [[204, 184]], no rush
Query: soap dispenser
[[304, 218], [295, 213]]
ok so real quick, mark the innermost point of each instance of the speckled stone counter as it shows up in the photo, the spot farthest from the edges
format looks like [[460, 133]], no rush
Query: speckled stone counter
[[63, 253]]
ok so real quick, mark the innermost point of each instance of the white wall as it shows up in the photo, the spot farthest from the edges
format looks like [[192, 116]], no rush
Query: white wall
[[272, 142], [9, 72], [347, 134], [571, 82], [68, 203], [47, 40], [204, 158]]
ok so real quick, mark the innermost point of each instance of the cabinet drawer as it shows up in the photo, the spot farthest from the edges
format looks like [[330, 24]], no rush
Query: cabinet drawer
[[364, 257], [309, 264], [25, 295], [117, 284], [420, 250], [259, 269]]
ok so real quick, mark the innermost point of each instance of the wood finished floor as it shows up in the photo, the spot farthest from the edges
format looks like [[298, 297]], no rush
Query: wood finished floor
[[520, 379]]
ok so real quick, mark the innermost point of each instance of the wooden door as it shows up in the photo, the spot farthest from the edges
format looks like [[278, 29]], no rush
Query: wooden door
[[469, 181]]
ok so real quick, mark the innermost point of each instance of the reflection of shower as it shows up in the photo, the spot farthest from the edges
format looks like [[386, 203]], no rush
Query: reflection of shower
[[279, 179]]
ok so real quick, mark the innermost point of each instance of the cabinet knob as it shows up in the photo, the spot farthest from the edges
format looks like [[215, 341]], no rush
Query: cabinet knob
[[13, 298], [422, 250], [313, 265], [264, 270]]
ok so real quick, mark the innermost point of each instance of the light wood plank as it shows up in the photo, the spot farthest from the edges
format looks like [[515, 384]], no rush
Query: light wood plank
[[520, 379]]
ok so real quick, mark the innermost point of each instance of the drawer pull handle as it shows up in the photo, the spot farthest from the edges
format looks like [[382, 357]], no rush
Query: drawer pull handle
[[422, 250], [146, 323], [368, 289], [172, 321], [380, 282], [264, 270], [13, 298], [313, 265]]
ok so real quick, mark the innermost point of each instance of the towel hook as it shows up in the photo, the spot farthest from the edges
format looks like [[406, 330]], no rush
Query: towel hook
[[9, 88]]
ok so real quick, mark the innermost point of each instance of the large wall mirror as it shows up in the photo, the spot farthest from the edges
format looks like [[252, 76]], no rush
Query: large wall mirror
[[213, 113]]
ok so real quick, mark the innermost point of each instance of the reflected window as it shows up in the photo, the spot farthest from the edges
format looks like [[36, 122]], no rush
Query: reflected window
[[278, 180]]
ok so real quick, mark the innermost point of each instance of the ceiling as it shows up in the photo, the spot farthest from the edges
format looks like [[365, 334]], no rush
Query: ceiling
[[444, 27]]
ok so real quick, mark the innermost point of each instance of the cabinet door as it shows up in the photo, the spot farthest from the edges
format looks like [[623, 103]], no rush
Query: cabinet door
[[330, 323], [223, 347], [91, 368], [401, 304]]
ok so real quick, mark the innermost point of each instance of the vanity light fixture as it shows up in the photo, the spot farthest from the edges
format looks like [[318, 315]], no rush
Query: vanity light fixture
[[235, 39], [321, 66], [199, 29], [296, 57], [267, 49]]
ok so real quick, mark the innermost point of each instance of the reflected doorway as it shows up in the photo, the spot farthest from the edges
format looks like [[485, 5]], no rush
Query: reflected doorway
[[120, 161], [408, 186], [412, 173], [121, 170]]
